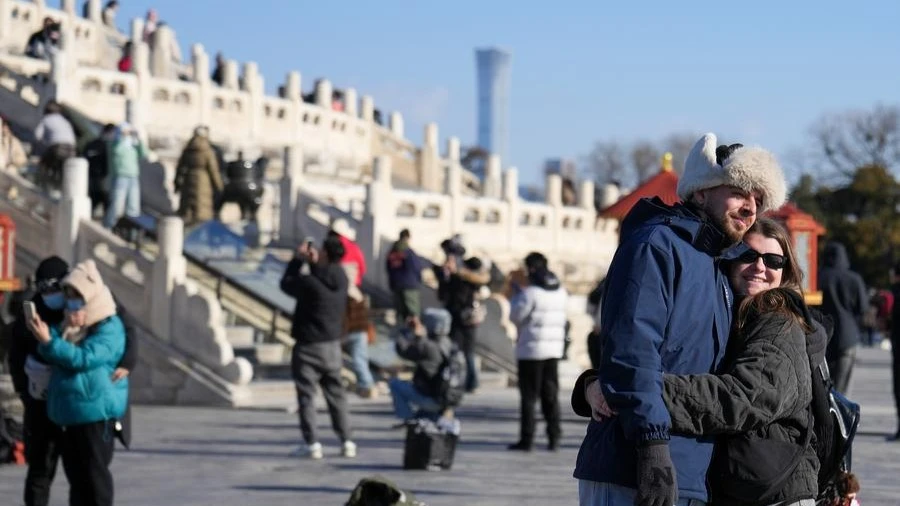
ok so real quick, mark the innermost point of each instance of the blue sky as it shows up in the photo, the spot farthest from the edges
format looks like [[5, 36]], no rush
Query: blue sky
[[754, 72]]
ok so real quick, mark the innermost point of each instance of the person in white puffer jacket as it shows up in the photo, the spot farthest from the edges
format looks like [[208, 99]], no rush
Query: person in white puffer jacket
[[539, 312]]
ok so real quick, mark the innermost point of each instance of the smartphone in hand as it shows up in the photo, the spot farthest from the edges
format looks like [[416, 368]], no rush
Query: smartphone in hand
[[30, 310]]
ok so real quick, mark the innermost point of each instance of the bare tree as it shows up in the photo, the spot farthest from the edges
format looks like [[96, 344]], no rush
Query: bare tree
[[856, 138], [645, 159], [679, 144], [606, 162]]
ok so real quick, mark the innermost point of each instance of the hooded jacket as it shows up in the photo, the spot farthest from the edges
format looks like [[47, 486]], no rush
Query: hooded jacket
[[759, 401], [321, 300], [843, 297], [81, 387], [669, 308], [539, 313]]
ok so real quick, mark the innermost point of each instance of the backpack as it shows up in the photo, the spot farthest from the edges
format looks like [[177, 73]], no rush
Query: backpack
[[836, 422], [452, 378], [835, 419], [12, 449]]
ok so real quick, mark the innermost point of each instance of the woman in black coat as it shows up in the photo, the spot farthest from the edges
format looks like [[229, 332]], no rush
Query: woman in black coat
[[759, 406]]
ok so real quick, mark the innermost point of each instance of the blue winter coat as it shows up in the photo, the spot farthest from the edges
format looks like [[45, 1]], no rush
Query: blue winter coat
[[404, 268], [81, 388], [670, 307]]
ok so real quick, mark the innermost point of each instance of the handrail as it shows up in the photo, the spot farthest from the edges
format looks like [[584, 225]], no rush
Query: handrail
[[220, 278]]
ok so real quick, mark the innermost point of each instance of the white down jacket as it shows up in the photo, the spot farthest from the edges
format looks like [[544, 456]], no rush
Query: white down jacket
[[539, 313]]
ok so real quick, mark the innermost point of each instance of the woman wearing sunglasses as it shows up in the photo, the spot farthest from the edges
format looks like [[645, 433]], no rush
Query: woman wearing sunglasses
[[759, 406], [82, 397]]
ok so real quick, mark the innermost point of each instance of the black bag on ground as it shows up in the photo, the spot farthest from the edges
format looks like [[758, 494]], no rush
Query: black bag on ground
[[429, 446]]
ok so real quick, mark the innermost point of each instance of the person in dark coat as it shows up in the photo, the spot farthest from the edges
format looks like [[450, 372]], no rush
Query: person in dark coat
[[895, 345], [758, 406], [844, 299], [320, 286], [42, 436], [458, 285], [98, 168], [404, 270], [671, 314]]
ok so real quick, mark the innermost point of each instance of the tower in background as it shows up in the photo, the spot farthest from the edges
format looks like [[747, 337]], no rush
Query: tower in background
[[493, 67]]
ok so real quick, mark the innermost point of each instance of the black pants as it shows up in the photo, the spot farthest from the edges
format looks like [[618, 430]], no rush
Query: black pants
[[43, 445], [464, 336], [539, 378], [87, 451], [895, 369], [841, 368]]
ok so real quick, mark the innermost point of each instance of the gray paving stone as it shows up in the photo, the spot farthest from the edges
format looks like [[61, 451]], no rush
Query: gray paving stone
[[193, 457]]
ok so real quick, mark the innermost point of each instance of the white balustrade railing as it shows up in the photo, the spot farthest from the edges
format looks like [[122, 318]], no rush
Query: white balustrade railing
[[239, 112], [155, 291]]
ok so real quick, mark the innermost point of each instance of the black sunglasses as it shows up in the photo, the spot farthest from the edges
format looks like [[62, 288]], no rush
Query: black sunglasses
[[770, 260]]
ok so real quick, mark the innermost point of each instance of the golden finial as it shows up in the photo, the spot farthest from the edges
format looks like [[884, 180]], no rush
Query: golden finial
[[667, 162]]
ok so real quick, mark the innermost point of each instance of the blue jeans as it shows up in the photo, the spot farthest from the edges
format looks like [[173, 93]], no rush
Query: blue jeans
[[593, 493], [358, 343], [407, 399], [124, 198]]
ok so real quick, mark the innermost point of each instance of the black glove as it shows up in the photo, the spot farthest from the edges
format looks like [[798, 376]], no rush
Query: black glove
[[657, 484]]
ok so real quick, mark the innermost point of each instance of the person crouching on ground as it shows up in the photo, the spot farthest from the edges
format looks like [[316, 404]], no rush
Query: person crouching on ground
[[82, 397], [427, 347]]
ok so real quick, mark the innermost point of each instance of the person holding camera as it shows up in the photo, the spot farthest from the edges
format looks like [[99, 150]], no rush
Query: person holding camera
[[318, 282], [124, 152], [426, 346], [458, 284]]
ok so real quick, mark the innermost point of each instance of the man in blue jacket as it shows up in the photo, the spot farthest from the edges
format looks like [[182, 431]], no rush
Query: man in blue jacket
[[404, 270], [669, 311]]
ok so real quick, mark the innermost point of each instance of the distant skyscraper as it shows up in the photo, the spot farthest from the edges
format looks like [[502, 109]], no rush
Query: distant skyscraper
[[493, 101]]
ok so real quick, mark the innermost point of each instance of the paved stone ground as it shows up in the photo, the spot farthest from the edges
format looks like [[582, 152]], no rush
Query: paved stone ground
[[222, 457]]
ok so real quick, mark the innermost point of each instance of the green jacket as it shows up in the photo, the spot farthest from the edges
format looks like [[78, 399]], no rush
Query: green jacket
[[125, 157]]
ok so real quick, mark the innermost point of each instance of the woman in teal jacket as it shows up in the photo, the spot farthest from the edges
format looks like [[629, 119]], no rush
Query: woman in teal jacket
[[82, 397]]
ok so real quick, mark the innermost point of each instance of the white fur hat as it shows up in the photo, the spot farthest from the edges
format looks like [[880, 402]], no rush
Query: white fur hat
[[748, 168]]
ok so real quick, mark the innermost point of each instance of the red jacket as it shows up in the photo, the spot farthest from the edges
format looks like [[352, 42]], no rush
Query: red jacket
[[354, 255]]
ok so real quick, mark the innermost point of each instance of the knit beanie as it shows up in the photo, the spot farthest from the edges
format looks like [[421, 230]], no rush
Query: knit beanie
[[748, 168], [98, 300], [51, 268]]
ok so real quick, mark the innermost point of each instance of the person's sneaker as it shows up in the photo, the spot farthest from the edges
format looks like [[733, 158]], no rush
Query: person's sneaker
[[313, 451], [348, 449], [368, 393]]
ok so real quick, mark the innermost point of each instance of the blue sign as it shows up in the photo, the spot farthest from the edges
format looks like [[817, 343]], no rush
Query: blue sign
[[215, 241]]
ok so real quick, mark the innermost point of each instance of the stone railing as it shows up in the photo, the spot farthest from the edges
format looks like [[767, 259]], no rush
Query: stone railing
[[92, 42], [158, 100], [501, 227], [155, 291]]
